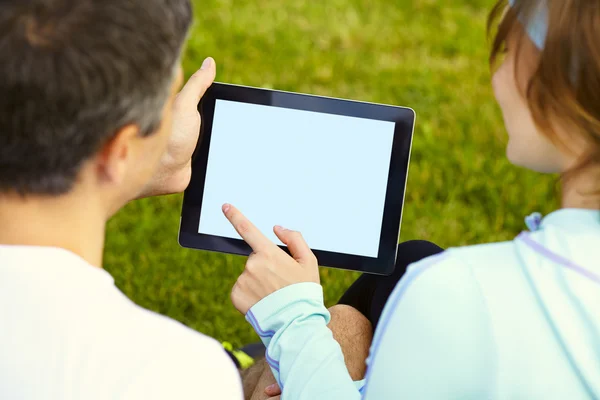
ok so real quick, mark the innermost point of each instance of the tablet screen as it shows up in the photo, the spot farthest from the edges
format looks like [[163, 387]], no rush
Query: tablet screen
[[324, 175]]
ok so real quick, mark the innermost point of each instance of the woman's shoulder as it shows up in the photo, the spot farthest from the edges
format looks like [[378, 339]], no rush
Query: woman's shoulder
[[480, 271], [471, 259], [497, 253]]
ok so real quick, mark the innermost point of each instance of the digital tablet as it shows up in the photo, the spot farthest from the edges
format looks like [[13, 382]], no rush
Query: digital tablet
[[333, 169]]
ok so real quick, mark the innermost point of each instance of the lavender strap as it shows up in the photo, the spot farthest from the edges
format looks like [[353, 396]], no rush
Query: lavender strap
[[525, 238]]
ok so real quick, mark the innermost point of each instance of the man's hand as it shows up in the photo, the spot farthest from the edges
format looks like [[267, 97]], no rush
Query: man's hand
[[269, 268], [175, 170]]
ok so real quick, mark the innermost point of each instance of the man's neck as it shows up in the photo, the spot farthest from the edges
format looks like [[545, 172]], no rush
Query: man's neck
[[69, 222]]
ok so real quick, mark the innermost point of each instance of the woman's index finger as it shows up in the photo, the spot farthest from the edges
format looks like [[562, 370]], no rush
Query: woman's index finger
[[246, 229]]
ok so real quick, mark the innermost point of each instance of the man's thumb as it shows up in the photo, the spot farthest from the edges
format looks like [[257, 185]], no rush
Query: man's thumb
[[198, 83]]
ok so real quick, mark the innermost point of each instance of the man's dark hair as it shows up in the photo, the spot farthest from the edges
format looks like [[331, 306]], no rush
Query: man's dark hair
[[72, 72]]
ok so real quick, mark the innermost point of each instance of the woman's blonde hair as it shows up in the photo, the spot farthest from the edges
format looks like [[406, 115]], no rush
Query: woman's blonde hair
[[565, 85]]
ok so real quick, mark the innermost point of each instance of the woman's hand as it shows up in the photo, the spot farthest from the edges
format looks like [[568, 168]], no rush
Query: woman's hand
[[273, 391], [269, 268]]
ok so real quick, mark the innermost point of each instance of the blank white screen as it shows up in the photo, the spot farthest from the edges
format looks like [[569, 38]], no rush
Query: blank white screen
[[321, 174]]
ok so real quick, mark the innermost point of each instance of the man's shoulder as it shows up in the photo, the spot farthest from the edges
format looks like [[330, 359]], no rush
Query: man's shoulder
[[184, 364], [160, 327], [161, 357], [83, 319], [143, 329]]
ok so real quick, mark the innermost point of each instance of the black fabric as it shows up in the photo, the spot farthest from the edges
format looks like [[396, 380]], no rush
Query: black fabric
[[370, 292]]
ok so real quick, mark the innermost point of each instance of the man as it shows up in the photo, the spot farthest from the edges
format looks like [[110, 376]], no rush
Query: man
[[89, 94], [90, 119]]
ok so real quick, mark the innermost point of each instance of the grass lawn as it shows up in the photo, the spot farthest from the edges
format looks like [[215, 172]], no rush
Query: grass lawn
[[430, 55]]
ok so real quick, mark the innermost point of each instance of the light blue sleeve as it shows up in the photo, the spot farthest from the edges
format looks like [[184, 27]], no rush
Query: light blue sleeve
[[306, 360], [434, 339]]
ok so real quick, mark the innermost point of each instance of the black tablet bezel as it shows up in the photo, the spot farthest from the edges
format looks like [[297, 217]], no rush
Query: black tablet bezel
[[403, 117]]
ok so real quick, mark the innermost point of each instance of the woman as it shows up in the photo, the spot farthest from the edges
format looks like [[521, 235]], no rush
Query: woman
[[519, 319]]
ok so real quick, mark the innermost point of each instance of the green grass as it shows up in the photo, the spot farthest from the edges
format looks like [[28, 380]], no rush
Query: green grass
[[426, 54]]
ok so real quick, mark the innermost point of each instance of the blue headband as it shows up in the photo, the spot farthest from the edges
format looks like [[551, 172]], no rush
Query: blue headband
[[537, 26]]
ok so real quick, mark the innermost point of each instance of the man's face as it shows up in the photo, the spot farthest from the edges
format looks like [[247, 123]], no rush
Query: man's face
[[146, 153], [154, 146]]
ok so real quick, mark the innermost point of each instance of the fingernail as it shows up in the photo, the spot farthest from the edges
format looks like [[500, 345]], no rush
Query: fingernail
[[271, 387], [280, 228], [206, 63], [226, 208]]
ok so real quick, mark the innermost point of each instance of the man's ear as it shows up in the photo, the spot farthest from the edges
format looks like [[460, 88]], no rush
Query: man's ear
[[115, 155]]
